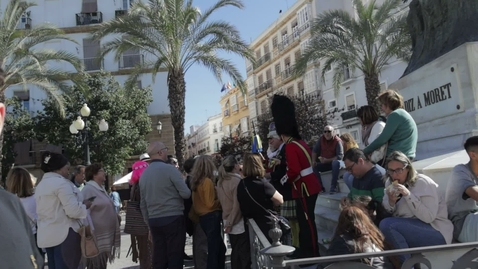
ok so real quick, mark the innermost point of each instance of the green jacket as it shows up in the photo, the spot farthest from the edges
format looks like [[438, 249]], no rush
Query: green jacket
[[400, 132]]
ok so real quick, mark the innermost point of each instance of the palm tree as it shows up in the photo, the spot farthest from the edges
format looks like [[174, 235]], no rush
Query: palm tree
[[366, 44], [23, 63], [177, 35]]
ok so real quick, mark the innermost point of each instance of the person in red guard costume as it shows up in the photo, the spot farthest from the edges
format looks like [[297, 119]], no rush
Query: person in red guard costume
[[305, 184]]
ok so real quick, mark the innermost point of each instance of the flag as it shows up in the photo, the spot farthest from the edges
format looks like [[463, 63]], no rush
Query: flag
[[223, 89], [228, 86], [256, 144]]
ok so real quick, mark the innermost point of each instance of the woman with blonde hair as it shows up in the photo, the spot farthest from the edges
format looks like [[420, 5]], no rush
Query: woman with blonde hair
[[20, 183], [257, 197], [229, 179], [207, 206]]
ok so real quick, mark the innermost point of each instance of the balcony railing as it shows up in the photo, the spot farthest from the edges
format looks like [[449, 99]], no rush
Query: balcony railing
[[93, 64], [264, 86], [349, 115], [289, 39], [119, 13], [287, 73], [264, 59], [130, 61], [25, 23], [89, 18], [249, 68]]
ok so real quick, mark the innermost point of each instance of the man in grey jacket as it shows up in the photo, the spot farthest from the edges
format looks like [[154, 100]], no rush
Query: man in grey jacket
[[163, 189]]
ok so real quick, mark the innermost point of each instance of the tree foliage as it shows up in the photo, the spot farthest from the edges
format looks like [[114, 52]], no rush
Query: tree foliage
[[125, 110], [235, 145], [18, 128], [310, 116], [367, 43], [177, 35]]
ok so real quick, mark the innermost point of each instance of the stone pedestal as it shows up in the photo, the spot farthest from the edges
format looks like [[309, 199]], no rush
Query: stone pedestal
[[442, 97]]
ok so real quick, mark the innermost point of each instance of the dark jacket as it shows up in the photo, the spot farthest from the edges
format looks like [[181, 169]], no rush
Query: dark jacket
[[278, 173], [18, 248], [188, 203]]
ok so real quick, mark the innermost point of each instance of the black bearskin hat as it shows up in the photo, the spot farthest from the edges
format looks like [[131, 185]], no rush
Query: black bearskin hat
[[283, 112]]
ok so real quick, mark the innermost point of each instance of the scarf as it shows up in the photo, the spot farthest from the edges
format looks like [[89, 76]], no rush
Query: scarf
[[106, 225], [366, 130], [272, 154]]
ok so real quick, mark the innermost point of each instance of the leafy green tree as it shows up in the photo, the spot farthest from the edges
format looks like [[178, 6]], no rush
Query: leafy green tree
[[177, 35], [125, 110], [235, 145], [18, 128], [22, 60], [367, 43]]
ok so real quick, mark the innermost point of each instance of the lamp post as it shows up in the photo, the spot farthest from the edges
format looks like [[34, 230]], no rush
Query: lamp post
[[81, 126]]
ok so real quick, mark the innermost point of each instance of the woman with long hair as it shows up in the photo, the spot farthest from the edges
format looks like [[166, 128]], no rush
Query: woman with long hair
[[356, 233], [141, 246], [420, 216], [207, 206], [372, 127], [256, 196], [104, 217], [61, 209], [20, 183], [229, 179]]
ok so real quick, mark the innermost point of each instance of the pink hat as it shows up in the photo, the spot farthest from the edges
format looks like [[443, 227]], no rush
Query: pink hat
[[138, 168]]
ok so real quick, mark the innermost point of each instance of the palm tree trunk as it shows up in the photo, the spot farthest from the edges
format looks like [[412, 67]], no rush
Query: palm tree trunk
[[372, 89], [2, 100], [177, 97]]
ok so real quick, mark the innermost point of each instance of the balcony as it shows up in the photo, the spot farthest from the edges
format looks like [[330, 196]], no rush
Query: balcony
[[264, 86], [235, 108], [89, 18], [287, 73], [93, 64], [119, 13], [25, 23], [226, 113], [348, 115], [130, 61], [264, 59], [296, 33], [249, 68]]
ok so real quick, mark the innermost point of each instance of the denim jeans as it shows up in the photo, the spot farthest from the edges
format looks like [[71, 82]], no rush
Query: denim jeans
[[211, 225], [405, 233], [67, 254], [168, 242], [323, 167], [348, 180]]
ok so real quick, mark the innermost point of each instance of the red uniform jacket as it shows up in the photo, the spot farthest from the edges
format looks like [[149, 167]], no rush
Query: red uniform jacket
[[297, 161]]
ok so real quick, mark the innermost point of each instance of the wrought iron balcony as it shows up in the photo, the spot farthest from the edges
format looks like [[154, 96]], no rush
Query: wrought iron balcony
[[89, 18], [264, 59], [349, 115], [264, 86], [287, 73], [120, 12]]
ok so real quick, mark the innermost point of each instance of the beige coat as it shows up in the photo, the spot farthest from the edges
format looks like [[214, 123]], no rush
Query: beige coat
[[231, 212]]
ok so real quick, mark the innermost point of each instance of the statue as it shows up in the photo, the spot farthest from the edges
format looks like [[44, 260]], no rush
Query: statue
[[438, 26]]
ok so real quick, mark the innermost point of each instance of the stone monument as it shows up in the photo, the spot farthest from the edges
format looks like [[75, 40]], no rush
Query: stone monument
[[440, 84]]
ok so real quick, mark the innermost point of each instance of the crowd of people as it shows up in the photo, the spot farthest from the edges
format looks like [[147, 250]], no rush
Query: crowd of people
[[389, 206]]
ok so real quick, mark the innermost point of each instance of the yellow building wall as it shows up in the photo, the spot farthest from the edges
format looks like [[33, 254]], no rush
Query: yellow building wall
[[232, 114]]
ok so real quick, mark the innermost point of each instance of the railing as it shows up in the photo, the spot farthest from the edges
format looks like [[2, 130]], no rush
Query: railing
[[89, 18], [287, 73], [130, 61], [93, 64], [249, 68], [264, 86], [120, 12], [264, 59], [351, 114], [295, 35], [267, 255]]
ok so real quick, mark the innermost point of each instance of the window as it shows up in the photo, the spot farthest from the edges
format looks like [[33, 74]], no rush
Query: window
[[214, 128], [234, 106], [258, 54], [300, 86], [89, 6], [268, 75], [139, 84], [304, 45], [277, 69], [260, 79], [332, 103], [350, 101], [274, 42], [91, 50], [290, 91], [346, 73], [244, 126], [266, 48], [220, 127], [297, 55], [24, 98], [355, 134], [130, 58]]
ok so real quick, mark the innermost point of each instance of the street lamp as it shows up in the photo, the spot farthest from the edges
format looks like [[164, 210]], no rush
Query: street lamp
[[81, 126], [159, 127]]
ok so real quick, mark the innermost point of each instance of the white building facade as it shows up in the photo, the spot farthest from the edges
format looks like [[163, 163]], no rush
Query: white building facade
[[78, 19], [205, 139], [277, 50]]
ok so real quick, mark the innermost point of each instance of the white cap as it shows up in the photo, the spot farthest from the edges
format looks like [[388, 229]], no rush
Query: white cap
[[144, 157]]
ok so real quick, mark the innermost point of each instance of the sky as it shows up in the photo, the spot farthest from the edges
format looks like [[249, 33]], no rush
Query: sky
[[203, 91]]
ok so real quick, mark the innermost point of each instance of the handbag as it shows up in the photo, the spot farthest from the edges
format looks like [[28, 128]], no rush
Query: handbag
[[134, 223], [283, 222], [89, 249]]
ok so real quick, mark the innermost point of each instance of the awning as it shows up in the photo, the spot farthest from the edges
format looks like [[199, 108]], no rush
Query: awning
[[124, 179]]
